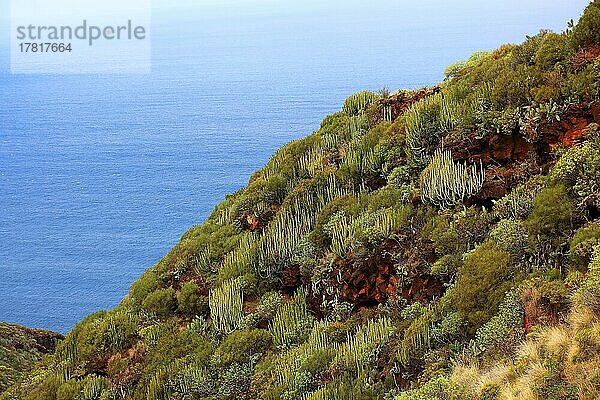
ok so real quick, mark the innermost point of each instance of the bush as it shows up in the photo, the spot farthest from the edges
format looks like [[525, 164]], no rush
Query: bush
[[588, 295], [439, 388], [519, 203], [486, 275], [70, 390], [269, 304], [241, 347], [553, 49], [234, 383], [161, 302], [145, 285], [579, 169], [504, 330], [447, 266], [552, 212], [190, 302], [358, 102], [441, 232], [587, 30], [582, 245], [511, 236]]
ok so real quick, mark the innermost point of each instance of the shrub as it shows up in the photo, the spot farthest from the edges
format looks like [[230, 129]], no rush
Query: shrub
[[587, 30], [462, 66], [190, 302], [486, 275], [358, 102], [588, 295], [400, 176], [510, 236], [242, 347], [579, 169], [503, 331], [269, 304], [234, 383], [447, 266], [145, 285], [553, 49], [161, 302], [582, 245], [70, 390], [519, 203], [552, 212], [439, 388], [445, 238]]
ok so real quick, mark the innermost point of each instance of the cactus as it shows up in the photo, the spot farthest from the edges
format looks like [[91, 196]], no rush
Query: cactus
[[426, 123], [358, 353], [416, 337], [445, 183], [296, 218], [94, 385], [226, 306], [358, 102], [358, 126], [291, 322], [387, 113]]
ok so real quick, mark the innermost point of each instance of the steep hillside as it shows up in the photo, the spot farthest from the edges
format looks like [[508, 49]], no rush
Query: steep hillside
[[434, 244], [20, 349]]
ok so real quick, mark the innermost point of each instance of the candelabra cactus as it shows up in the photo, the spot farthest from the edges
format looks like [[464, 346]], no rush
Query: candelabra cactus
[[387, 113], [226, 304], [358, 102], [426, 123], [445, 183]]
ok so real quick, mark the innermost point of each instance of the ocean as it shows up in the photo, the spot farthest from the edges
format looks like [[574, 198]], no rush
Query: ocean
[[101, 174]]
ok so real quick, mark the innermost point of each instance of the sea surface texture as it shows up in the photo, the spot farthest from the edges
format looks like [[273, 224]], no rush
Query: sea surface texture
[[101, 175]]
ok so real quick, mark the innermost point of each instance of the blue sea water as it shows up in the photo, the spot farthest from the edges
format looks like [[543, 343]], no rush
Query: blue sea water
[[101, 174]]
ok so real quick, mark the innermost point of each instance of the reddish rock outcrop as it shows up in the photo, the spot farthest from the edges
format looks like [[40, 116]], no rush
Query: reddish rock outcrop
[[510, 159], [585, 57], [403, 100]]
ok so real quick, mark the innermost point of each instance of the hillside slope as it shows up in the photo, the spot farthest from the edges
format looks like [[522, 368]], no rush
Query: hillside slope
[[434, 244], [20, 349]]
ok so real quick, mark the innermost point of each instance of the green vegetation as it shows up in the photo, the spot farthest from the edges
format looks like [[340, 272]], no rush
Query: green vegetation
[[374, 259], [446, 183], [20, 349]]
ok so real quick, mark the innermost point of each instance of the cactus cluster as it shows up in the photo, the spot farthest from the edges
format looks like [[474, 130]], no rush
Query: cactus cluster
[[358, 102], [445, 183], [278, 243], [358, 125], [416, 337], [226, 306], [427, 121], [92, 390], [359, 351], [291, 321], [344, 229]]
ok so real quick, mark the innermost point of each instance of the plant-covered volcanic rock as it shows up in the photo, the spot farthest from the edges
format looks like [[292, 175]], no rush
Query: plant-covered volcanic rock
[[432, 244]]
